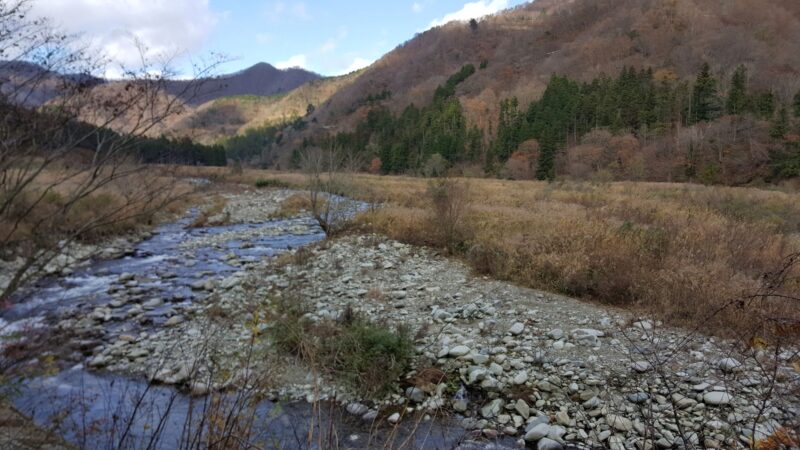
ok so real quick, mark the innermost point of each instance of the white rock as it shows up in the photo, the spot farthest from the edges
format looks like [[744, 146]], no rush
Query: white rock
[[517, 328], [538, 432], [459, 350], [548, 444], [619, 423], [729, 365], [717, 398]]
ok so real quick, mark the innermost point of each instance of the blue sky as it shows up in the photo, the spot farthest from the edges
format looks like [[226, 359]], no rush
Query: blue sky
[[327, 36]]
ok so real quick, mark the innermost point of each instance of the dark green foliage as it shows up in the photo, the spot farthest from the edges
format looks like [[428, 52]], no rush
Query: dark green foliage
[[780, 124], [737, 102], [448, 89], [634, 102], [473, 25], [786, 163], [254, 142], [484, 64], [370, 357], [263, 183], [764, 105], [179, 151], [796, 105], [406, 142], [706, 103]]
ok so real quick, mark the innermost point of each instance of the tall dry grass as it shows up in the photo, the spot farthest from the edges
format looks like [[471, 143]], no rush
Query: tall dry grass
[[677, 251], [49, 206]]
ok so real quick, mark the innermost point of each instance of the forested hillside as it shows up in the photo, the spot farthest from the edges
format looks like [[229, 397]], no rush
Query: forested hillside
[[614, 89]]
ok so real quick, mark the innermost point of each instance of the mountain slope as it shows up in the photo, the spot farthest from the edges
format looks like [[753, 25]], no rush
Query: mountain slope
[[261, 79], [582, 39], [229, 116]]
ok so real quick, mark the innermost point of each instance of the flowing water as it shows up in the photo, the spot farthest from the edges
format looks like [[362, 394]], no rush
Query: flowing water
[[96, 409]]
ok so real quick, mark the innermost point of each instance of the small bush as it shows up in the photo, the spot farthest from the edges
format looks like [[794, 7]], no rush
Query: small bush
[[449, 205], [264, 183], [368, 357]]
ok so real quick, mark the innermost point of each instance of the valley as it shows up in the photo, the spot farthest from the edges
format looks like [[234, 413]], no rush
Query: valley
[[500, 224]]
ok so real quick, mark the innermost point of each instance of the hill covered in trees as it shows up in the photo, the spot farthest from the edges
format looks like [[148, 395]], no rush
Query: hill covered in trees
[[641, 124], [611, 88]]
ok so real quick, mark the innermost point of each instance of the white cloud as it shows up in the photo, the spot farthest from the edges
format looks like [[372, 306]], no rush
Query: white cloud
[[417, 7], [300, 61], [166, 28], [474, 10], [357, 64]]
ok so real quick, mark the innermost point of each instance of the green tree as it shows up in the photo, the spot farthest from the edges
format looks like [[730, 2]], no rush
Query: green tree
[[796, 104], [545, 169], [706, 103], [765, 105], [737, 95], [780, 124]]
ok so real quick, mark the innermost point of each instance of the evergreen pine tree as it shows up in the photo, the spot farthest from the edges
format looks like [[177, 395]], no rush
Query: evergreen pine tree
[[737, 96], [765, 105], [705, 99], [780, 125], [796, 104], [545, 169]]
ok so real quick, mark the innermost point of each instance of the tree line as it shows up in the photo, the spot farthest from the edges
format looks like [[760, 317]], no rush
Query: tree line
[[639, 102]]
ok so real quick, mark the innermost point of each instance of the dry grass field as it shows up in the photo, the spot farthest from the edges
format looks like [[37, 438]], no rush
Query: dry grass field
[[681, 252]]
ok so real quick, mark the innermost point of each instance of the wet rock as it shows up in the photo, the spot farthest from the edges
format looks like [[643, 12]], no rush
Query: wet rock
[[548, 444], [537, 432]]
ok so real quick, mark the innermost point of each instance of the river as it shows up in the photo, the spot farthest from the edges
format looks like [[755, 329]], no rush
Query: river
[[99, 409]]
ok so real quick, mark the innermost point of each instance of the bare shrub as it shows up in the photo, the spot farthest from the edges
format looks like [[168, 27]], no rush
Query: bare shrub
[[326, 188], [64, 177], [449, 200]]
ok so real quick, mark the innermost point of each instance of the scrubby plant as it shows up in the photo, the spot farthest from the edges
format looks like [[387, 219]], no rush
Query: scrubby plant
[[366, 356], [263, 183]]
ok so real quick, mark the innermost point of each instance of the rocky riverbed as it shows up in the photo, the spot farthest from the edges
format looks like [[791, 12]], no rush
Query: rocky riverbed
[[523, 367]]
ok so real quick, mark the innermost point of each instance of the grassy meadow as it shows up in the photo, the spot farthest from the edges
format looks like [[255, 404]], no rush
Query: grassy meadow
[[689, 254]]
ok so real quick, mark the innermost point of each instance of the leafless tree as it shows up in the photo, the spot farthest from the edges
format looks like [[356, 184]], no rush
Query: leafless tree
[[64, 175], [324, 169]]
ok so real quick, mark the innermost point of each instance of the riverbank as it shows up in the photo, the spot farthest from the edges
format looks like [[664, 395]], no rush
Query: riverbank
[[534, 366], [194, 308]]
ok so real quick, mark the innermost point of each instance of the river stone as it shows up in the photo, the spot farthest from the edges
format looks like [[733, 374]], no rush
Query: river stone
[[522, 408], [619, 423], [415, 394], [173, 321], [538, 432], [394, 418], [517, 328], [641, 366], [717, 398], [357, 409], [556, 334], [493, 408], [548, 444], [459, 350], [729, 365], [562, 417]]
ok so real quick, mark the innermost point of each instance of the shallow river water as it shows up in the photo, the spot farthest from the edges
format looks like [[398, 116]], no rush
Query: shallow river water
[[98, 409]]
